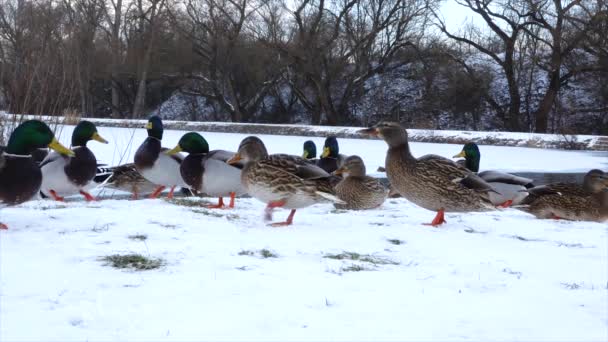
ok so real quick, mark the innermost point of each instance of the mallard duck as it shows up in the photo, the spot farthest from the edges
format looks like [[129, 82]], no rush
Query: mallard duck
[[510, 189], [571, 207], [331, 159], [63, 175], [356, 189], [310, 151], [281, 180], [20, 176], [595, 181], [208, 172], [125, 178], [158, 168], [432, 182]]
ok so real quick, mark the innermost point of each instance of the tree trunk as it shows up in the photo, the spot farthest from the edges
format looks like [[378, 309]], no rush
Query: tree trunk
[[116, 59]]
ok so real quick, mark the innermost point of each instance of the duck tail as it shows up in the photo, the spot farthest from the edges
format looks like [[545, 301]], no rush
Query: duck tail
[[330, 197]]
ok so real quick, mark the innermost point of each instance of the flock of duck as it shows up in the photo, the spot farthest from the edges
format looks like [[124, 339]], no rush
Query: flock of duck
[[285, 181]]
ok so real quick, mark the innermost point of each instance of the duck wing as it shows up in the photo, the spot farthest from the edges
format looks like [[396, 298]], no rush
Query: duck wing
[[296, 165], [51, 157], [440, 167], [507, 178]]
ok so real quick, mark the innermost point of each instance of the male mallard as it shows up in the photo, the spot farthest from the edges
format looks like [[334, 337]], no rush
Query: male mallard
[[281, 180], [595, 181], [159, 168], [63, 175], [432, 182], [571, 207], [20, 176], [208, 172], [510, 189], [125, 178], [331, 159], [356, 189], [310, 151]]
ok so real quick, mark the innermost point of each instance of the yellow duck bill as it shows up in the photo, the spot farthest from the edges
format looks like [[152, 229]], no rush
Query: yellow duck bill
[[176, 149], [56, 145], [98, 137]]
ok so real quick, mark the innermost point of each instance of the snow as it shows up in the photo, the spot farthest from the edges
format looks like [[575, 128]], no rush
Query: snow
[[483, 276], [125, 141]]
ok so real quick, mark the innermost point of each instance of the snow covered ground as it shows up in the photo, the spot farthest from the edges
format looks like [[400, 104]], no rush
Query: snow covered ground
[[226, 276]]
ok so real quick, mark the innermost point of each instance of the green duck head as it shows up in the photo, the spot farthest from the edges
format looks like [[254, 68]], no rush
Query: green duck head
[[310, 150], [331, 148], [85, 131], [191, 142], [33, 134], [155, 127], [470, 153]]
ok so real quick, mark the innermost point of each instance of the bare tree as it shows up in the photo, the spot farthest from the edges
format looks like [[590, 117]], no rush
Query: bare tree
[[506, 23], [335, 47]]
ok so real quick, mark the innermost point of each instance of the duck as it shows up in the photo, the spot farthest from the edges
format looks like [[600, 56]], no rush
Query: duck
[[431, 181], [124, 177], [154, 165], [281, 180], [571, 207], [310, 151], [358, 190], [208, 171], [63, 175], [510, 189], [594, 181], [331, 159], [20, 175]]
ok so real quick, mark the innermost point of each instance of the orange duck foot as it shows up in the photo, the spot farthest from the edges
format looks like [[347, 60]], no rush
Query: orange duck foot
[[219, 205], [438, 220], [286, 223], [55, 196], [87, 196], [157, 191], [505, 204]]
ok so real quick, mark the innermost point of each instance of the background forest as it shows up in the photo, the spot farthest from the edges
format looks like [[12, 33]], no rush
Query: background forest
[[524, 65]]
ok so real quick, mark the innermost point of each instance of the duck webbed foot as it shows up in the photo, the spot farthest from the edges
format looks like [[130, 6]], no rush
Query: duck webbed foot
[[286, 223], [219, 205], [505, 204], [270, 207], [55, 196], [87, 196], [438, 220], [157, 191]]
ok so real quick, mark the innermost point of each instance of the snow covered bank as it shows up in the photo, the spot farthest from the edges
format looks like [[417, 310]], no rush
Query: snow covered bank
[[576, 142]]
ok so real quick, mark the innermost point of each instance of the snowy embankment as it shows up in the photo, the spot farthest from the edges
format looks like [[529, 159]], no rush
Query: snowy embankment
[[334, 275], [557, 141]]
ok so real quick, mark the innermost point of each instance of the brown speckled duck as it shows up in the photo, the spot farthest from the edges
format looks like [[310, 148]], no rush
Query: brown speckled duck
[[571, 201], [595, 181], [280, 180], [571, 207], [356, 189], [432, 182]]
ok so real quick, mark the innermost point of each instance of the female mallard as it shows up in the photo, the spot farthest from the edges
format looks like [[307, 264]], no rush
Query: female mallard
[[159, 168], [281, 180], [125, 178], [356, 189], [331, 159], [510, 189], [571, 207], [208, 172], [595, 181], [63, 175], [432, 182], [20, 176]]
